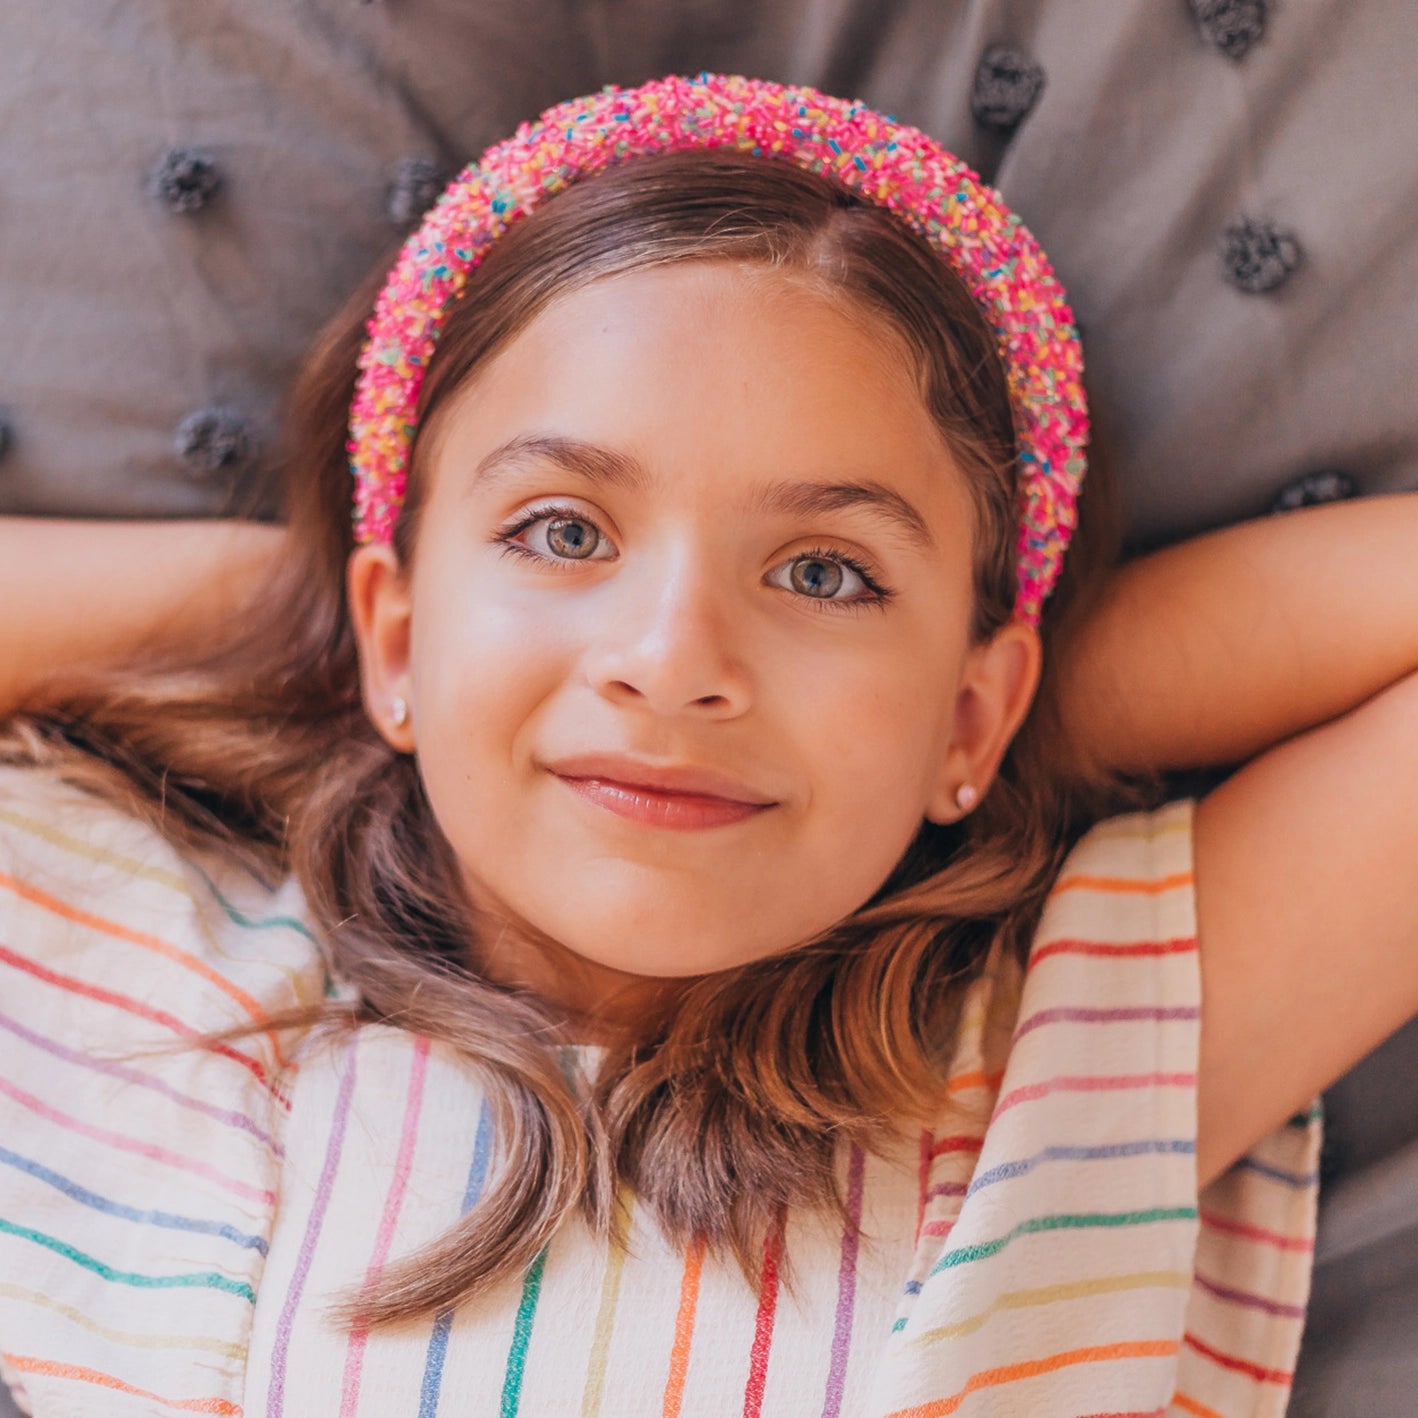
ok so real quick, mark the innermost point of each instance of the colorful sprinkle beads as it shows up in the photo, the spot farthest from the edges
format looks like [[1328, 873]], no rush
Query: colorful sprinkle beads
[[885, 162]]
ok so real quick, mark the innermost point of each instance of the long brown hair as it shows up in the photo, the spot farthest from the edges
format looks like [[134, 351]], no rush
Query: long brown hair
[[732, 1105]]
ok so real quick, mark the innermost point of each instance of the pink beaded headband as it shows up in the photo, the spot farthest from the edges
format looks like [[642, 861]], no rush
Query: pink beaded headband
[[883, 161]]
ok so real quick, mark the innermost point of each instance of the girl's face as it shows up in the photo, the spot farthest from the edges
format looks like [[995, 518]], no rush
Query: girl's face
[[693, 520]]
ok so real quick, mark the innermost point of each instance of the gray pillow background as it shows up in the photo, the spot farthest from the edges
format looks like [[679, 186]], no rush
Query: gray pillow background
[[121, 317]]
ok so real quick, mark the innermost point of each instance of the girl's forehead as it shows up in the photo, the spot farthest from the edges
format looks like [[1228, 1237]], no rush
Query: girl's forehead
[[726, 318], [704, 371]]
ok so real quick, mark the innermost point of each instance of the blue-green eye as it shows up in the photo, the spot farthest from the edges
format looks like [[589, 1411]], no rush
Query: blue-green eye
[[815, 577], [572, 536], [558, 534], [820, 574]]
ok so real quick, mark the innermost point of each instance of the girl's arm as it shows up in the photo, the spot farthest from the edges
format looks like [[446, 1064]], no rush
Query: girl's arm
[[90, 594], [1302, 629], [1216, 648], [1307, 918]]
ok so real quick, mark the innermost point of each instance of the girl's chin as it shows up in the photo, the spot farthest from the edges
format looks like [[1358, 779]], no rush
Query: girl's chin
[[673, 958]]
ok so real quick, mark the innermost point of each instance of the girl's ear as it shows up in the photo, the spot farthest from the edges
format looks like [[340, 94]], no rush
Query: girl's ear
[[996, 689], [380, 601]]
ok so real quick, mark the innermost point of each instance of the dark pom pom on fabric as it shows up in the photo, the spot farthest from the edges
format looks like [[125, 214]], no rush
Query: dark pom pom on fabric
[[1329, 485], [1233, 26], [185, 179], [1007, 86], [1259, 256], [417, 185], [212, 439]]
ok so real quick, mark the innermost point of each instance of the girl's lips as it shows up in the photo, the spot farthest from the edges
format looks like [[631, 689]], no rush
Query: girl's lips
[[682, 811]]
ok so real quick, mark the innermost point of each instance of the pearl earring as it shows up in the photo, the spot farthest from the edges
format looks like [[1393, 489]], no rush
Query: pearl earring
[[966, 797], [399, 712]]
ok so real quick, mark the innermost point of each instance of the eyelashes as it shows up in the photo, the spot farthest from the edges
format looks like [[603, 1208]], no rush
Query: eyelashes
[[547, 514], [877, 593]]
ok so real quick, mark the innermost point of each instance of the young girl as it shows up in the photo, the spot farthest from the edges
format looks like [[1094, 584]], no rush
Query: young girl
[[608, 934]]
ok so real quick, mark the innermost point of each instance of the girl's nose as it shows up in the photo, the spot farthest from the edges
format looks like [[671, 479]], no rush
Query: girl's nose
[[672, 640]]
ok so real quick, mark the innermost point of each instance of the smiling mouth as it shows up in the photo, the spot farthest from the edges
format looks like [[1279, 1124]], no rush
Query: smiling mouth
[[655, 807]]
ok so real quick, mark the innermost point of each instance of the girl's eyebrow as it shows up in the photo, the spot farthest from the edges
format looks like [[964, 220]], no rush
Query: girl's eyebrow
[[607, 467]]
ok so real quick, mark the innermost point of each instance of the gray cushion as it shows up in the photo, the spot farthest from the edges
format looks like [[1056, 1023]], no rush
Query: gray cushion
[[1132, 135], [1360, 1350], [1146, 143]]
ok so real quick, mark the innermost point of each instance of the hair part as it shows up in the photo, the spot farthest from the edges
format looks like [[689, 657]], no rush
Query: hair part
[[730, 1109]]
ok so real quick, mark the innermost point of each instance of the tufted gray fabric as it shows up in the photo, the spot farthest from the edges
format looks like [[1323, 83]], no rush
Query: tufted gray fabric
[[1148, 139], [1227, 188]]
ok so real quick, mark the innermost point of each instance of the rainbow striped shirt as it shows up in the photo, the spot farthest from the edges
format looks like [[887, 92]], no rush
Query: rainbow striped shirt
[[173, 1223]]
